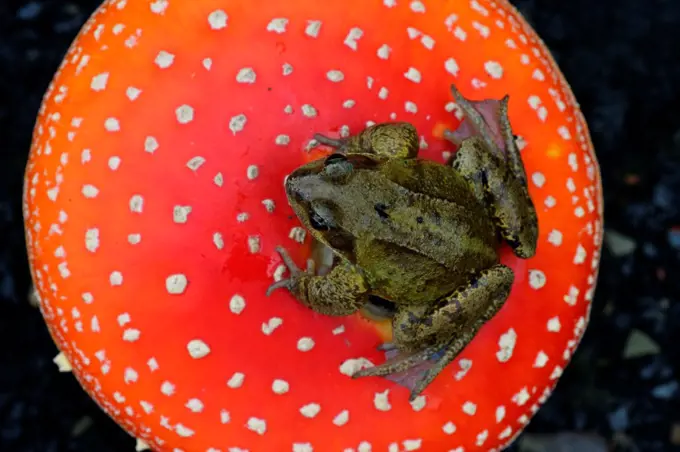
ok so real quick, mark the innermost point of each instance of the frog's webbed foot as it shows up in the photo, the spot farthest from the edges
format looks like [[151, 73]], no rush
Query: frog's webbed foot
[[293, 270], [486, 119], [410, 370]]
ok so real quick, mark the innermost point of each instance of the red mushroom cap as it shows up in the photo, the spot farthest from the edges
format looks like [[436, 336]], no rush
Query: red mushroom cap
[[154, 202]]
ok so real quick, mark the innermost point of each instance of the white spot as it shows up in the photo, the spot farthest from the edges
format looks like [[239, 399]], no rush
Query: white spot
[[413, 75], [554, 325], [99, 81], [197, 348], [313, 27], [92, 239], [309, 111], [225, 417], [449, 428], [134, 239], [555, 237], [277, 25], [164, 59], [237, 304], [183, 431], [195, 405], [410, 107], [236, 380], [451, 67], [384, 52], [352, 37], [130, 375], [341, 418], [159, 6], [116, 278], [541, 359], [237, 123], [185, 114], [418, 403], [246, 75], [112, 125], [217, 19], [123, 319], [176, 284], [195, 162], [465, 366], [62, 362], [271, 324], [90, 191], [500, 414], [349, 103], [505, 433], [167, 388], [556, 373], [580, 256], [412, 444], [180, 214], [114, 162], [417, 7], [335, 75], [280, 386], [522, 396], [258, 426], [287, 70], [305, 344], [494, 69], [153, 364], [381, 401], [507, 343], [482, 437], [150, 144], [537, 279], [310, 410], [254, 244], [538, 179], [469, 408], [282, 140], [207, 63], [131, 334]]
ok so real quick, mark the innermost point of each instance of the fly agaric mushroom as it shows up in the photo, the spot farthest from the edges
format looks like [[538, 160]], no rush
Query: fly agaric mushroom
[[153, 205]]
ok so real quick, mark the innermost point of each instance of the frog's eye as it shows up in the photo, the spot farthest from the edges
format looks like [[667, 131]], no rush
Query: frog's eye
[[321, 216], [334, 158], [337, 168]]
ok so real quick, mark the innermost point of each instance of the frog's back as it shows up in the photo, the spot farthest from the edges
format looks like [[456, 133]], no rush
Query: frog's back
[[430, 230]]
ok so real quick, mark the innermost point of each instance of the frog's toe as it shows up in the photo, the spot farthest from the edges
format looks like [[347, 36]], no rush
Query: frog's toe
[[399, 363], [387, 347], [337, 143], [284, 283]]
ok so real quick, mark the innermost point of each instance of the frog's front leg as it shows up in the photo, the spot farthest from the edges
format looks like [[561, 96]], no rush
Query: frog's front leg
[[340, 292], [445, 329], [391, 139]]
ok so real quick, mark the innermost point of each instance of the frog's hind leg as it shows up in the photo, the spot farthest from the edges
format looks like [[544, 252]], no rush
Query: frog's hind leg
[[488, 119], [453, 324], [507, 196]]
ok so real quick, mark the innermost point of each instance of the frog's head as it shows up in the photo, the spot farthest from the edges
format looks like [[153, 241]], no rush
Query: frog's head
[[320, 191]]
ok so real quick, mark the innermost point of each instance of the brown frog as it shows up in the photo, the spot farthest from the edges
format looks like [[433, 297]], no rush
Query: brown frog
[[420, 234]]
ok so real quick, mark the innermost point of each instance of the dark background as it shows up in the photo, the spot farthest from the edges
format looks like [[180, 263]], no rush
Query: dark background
[[622, 59]]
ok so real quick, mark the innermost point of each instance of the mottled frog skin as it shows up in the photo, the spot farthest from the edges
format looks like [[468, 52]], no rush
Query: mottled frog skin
[[420, 234]]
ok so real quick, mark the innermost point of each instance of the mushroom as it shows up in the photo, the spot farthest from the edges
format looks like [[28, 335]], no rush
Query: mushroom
[[153, 204]]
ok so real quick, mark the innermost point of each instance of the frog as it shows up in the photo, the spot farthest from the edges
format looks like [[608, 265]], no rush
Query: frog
[[420, 234]]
